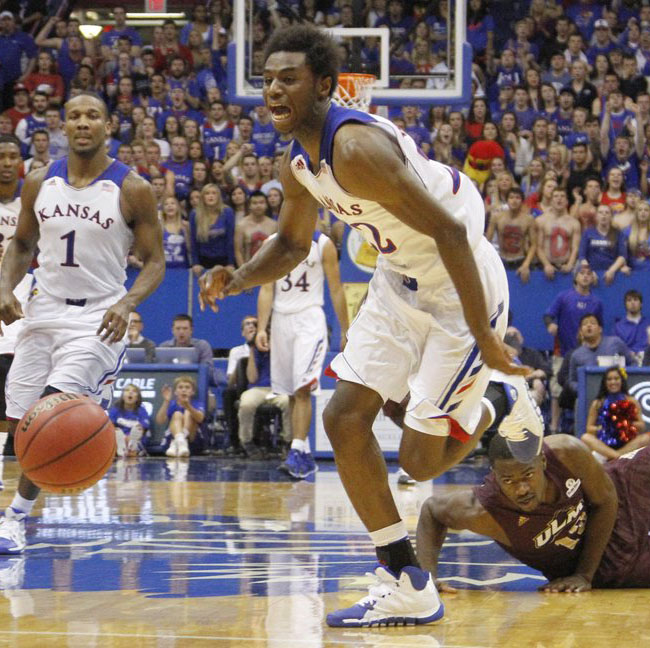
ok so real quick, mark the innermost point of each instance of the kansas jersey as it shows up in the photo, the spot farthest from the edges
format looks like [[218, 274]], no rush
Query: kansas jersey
[[84, 239], [8, 220], [303, 286], [401, 248]]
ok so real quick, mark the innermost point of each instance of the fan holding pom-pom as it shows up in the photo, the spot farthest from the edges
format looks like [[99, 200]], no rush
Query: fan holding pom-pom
[[614, 423]]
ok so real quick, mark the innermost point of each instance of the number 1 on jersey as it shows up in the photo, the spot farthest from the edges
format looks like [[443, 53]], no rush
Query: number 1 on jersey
[[69, 250]]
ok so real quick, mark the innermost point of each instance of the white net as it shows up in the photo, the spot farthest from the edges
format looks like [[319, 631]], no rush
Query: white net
[[354, 91]]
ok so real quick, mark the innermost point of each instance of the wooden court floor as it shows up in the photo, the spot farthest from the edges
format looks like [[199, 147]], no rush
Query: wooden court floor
[[215, 552]]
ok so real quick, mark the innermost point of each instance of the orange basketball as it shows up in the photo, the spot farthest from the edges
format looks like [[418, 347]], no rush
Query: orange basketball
[[65, 443]]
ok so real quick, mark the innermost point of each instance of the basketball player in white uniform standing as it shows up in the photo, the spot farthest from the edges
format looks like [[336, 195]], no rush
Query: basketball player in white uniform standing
[[10, 187], [84, 212], [299, 339], [433, 322]]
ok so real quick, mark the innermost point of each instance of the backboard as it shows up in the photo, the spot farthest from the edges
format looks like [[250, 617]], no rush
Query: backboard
[[370, 50]]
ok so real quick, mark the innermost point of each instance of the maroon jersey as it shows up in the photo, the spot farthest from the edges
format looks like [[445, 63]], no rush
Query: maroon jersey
[[550, 537]]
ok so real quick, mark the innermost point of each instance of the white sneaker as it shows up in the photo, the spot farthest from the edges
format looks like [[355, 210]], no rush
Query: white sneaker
[[172, 451], [411, 599], [12, 532], [181, 445], [120, 441], [403, 478], [133, 446], [523, 426]]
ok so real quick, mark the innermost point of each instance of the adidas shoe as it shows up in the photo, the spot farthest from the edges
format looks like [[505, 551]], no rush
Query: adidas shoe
[[291, 465], [404, 479], [134, 446], [12, 532], [182, 447], [523, 425], [172, 451], [120, 443], [411, 599], [307, 465]]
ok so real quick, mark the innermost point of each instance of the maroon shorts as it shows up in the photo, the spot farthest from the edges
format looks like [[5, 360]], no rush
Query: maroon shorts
[[626, 561]]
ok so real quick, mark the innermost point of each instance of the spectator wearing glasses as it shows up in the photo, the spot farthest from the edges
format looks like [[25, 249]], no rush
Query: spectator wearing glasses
[[135, 339]]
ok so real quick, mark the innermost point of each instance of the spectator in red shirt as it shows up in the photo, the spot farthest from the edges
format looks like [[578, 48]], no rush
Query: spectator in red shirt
[[44, 75], [171, 47], [21, 106]]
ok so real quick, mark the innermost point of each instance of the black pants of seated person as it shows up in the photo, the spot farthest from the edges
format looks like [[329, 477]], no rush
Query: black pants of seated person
[[230, 400]]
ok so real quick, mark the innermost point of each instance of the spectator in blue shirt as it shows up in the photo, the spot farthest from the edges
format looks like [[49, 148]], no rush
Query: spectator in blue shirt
[[399, 24], [480, 30], [14, 45], [109, 37], [562, 318], [212, 232], [131, 421], [184, 414], [595, 344], [604, 247], [602, 43], [632, 328]]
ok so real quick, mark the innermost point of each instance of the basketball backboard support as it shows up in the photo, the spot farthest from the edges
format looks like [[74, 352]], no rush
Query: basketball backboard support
[[245, 87]]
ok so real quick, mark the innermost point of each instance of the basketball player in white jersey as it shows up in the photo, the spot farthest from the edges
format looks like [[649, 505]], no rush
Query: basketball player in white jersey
[[84, 212], [433, 322], [299, 339], [10, 186]]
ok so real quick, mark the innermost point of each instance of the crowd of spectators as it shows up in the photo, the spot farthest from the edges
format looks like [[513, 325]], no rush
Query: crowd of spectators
[[555, 135]]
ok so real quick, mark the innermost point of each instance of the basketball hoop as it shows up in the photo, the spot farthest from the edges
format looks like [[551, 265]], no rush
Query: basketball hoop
[[354, 90]]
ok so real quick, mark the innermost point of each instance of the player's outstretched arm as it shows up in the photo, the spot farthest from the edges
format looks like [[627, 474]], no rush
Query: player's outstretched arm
[[22, 247], [603, 505], [460, 510], [279, 255], [138, 205], [368, 163]]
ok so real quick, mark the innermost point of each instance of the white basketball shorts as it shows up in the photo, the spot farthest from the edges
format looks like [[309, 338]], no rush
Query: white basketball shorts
[[394, 348], [58, 347], [298, 348]]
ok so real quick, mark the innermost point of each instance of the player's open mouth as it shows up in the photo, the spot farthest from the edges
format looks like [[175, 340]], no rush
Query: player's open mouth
[[280, 113]]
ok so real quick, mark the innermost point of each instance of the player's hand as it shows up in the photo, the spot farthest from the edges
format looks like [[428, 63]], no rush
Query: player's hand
[[262, 341], [495, 355], [575, 583], [114, 323], [10, 309], [166, 392], [197, 270], [216, 283]]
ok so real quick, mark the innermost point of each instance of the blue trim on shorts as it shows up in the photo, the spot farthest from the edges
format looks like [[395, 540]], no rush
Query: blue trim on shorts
[[107, 374], [469, 362], [319, 346]]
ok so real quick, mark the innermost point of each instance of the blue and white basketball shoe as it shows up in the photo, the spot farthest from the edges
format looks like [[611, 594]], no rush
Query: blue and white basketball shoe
[[12, 532], [410, 599], [523, 425], [308, 465], [291, 465]]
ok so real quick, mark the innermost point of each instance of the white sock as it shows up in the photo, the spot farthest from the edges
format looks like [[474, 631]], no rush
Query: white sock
[[490, 408], [389, 534], [307, 446], [299, 445], [185, 433], [21, 505]]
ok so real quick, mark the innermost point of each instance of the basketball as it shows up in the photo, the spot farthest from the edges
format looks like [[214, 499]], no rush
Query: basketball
[[65, 443]]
